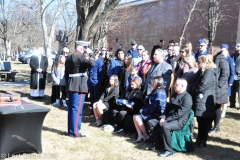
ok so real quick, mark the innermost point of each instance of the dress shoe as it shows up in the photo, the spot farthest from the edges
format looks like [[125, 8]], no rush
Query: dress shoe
[[146, 138], [165, 154], [81, 136], [215, 129], [202, 144], [198, 141], [140, 139], [117, 130], [231, 107]]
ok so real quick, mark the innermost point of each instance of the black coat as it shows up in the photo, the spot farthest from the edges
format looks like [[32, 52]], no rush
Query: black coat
[[78, 63], [205, 93], [122, 79], [223, 73], [110, 96], [35, 76], [178, 109], [136, 97]]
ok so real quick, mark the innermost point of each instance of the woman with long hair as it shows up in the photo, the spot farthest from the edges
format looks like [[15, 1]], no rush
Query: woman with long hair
[[204, 97], [222, 70], [123, 75], [154, 106], [58, 76], [107, 99], [144, 66], [131, 104]]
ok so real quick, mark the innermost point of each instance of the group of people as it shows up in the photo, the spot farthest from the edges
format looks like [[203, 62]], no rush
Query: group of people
[[150, 93]]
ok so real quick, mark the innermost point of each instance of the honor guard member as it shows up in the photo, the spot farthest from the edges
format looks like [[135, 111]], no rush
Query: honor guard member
[[76, 69]]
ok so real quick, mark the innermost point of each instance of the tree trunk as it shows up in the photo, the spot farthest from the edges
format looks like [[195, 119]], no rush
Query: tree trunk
[[8, 45], [91, 17]]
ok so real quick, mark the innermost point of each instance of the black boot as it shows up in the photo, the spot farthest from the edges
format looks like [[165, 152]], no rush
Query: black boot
[[202, 144], [215, 129]]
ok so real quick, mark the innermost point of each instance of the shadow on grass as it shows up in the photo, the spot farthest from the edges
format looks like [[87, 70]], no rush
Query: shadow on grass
[[233, 115], [54, 130], [212, 152], [224, 141]]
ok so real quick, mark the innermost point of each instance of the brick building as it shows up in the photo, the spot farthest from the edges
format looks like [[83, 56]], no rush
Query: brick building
[[153, 20]]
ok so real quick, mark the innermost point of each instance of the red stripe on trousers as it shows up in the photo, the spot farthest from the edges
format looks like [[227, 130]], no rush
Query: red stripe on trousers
[[79, 109]]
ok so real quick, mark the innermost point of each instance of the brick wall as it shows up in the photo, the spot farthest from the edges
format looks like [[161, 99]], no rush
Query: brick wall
[[154, 21]]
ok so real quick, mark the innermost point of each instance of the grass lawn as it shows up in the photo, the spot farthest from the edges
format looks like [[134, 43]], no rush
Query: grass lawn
[[102, 145]]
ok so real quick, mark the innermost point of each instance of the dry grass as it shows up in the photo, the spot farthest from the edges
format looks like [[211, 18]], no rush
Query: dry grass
[[102, 145]]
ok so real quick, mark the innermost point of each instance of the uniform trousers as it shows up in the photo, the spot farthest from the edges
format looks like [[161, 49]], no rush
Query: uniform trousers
[[75, 107]]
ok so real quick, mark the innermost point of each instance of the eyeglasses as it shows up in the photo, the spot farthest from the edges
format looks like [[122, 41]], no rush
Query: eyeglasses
[[65, 52], [181, 51], [237, 46], [139, 49], [103, 50]]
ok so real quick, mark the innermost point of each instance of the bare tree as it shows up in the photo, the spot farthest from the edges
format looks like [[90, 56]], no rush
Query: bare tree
[[191, 7], [68, 23], [92, 15], [215, 16], [44, 10], [7, 27]]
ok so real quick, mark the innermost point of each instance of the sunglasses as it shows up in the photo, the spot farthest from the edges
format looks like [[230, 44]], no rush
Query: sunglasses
[[65, 52], [103, 50], [181, 51], [237, 46]]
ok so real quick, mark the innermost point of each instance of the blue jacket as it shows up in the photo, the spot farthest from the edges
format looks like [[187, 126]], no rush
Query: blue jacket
[[198, 54], [133, 52], [232, 69], [96, 73], [114, 67], [154, 104]]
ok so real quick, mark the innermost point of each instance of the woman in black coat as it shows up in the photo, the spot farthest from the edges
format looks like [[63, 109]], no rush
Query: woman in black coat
[[122, 110], [222, 70], [123, 75], [204, 97], [107, 99]]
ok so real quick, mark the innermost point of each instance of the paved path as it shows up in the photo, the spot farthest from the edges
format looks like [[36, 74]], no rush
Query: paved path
[[19, 83]]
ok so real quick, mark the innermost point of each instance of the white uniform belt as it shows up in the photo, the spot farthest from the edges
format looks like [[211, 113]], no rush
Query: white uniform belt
[[78, 75]]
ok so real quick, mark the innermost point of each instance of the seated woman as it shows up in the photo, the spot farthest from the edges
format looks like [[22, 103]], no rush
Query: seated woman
[[125, 108], [154, 106], [107, 99]]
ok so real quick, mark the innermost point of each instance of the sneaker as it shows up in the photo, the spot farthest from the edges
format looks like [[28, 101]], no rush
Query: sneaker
[[56, 104], [117, 130], [65, 105]]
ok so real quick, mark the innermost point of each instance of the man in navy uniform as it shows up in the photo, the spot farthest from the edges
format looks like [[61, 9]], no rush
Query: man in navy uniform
[[76, 71]]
